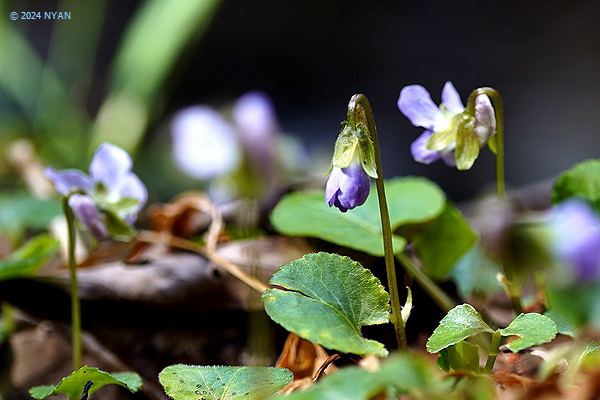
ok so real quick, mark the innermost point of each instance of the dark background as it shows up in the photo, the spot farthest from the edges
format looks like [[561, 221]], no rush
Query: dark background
[[311, 56]]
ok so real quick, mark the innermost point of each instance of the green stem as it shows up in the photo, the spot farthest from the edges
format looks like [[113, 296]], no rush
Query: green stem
[[493, 353], [359, 108], [434, 291], [75, 306], [514, 292], [499, 110]]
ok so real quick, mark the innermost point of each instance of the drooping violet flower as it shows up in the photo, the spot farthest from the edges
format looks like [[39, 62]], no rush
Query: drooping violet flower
[[575, 232], [446, 125], [204, 143], [352, 164], [108, 199], [347, 187]]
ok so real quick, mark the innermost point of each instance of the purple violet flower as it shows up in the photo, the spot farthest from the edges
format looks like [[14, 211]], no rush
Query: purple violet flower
[[111, 187], [575, 241], [347, 187], [416, 104], [205, 145]]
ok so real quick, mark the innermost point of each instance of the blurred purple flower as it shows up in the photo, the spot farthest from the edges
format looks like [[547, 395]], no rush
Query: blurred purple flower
[[575, 231], [416, 104], [347, 187], [204, 143], [110, 187]]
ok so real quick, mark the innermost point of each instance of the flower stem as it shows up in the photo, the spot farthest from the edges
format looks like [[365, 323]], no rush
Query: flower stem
[[493, 353], [360, 109], [434, 291], [514, 291], [499, 110], [75, 306]]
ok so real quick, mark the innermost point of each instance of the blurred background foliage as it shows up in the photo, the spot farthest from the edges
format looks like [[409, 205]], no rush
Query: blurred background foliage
[[118, 71]]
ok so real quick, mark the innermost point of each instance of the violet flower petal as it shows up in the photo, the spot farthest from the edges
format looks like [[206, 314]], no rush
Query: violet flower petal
[[451, 99], [420, 152], [67, 180], [485, 119], [204, 143], [109, 165], [132, 187], [254, 115], [85, 211], [348, 187], [450, 158], [577, 237], [416, 104]]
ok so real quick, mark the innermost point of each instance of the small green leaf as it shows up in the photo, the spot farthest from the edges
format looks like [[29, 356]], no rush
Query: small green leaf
[[582, 180], [563, 326], [410, 200], [190, 382], [444, 242], [41, 392], [73, 384], [533, 329], [461, 356], [460, 323], [328, 299], [28, 258]]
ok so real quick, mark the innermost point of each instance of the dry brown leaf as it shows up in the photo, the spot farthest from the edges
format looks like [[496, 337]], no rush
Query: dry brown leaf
[[302, 357]]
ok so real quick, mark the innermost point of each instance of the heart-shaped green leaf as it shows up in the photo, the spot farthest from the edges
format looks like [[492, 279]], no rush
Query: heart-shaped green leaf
[[28, 258], [73, 384], [533, 329], [190, 382], [582, 180], [328, 299], [410, 200], [460, 323]]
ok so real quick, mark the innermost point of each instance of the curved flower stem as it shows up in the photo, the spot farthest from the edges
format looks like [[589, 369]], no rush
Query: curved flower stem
[[359, 110], [514, 291], [434, 291], [499, 109], [75, 306]]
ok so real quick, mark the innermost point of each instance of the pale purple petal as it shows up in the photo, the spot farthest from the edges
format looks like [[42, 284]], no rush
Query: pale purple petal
[[254, 115], [204, 144], [577, 237], [109, 165], [132, 187], [416, 104], [485, 119], [420, 152], [451, 99], [347, 188], [85, 211], [67, 180], [450, 158]]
